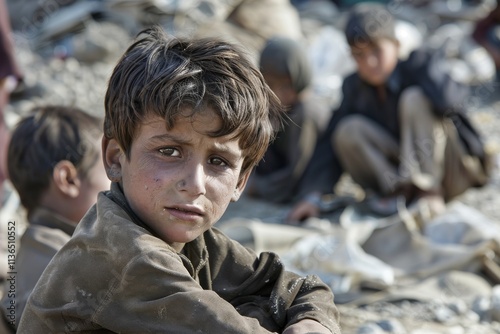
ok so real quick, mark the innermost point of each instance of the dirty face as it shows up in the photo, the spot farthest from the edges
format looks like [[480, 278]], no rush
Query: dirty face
[[180, 181]]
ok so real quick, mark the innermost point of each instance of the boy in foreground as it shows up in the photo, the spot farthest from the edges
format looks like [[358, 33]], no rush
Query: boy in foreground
[[55, 165], [185, 123]]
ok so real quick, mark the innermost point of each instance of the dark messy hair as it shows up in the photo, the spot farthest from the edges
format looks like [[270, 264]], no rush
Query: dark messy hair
[[48, 135], [163, 75], [369, 22]]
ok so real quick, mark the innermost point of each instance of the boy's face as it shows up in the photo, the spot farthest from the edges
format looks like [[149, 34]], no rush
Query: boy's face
[[376, 61], [179, 181]]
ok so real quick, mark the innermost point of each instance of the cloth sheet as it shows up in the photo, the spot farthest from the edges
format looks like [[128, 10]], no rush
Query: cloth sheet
[[367, 258]]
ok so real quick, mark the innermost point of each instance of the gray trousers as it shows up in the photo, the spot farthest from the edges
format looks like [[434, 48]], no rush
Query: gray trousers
[[430, 155]]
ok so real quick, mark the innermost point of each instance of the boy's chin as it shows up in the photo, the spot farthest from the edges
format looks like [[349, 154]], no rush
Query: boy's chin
[[376, 81], [379, 78]]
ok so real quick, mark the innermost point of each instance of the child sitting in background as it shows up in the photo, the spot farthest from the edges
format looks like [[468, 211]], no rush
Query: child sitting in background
[[401, 129], [288, 72], [55, 165], [186, 121]]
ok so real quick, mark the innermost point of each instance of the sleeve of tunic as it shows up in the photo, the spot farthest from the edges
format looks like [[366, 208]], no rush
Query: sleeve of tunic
[[262, 287], [235, 293], [157, 294]]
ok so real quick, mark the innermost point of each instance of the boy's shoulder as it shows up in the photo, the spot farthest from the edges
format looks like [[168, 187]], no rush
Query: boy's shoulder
[[351, 78], [352, 83], [431, 69], [42, 239], [112, 221], [106, 237], [46, 233], [424, 59]]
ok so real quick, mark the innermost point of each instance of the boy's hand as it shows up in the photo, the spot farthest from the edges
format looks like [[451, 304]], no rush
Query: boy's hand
[[307, 326], [303, 210]]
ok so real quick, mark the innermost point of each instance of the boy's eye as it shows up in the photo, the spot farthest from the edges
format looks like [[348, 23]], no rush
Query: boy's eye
[[169, 151], [217, 162]]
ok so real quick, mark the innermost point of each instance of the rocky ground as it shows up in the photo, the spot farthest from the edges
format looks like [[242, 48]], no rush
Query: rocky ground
[[71, 82]]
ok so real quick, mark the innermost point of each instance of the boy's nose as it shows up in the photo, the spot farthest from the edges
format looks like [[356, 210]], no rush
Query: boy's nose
[[193, 180]]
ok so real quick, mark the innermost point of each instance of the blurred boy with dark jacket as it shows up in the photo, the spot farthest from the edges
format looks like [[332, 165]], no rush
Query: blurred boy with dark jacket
[[402, 128]]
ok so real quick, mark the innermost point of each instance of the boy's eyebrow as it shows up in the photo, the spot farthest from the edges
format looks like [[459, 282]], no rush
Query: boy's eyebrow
[[167, 136], [222, 148]]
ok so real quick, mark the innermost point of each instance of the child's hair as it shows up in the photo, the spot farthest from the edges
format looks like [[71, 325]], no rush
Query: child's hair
[[369, 22], [162, 75], [47, 136], [285, 56]]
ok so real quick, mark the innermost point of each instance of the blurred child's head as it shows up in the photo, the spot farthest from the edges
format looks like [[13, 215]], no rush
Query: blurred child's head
[[186, 121], [54, 161], [286, 68], [370, 32]]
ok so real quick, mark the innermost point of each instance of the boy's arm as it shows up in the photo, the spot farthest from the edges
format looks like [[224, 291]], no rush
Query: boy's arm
[[449, 98], [312, 308], [267, 289], [156, 294], [307, 326], [159, 291]]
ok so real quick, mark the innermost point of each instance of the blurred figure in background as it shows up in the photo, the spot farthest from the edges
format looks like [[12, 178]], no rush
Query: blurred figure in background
[[401, 129], [287, 70], [55, 164]]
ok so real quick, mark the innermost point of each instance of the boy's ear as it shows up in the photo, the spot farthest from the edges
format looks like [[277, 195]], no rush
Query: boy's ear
[[66, 180], [241, 186], [112, 152]]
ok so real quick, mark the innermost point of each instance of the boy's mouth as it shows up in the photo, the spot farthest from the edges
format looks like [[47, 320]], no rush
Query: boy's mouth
[[187, 210], [183, 210]]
